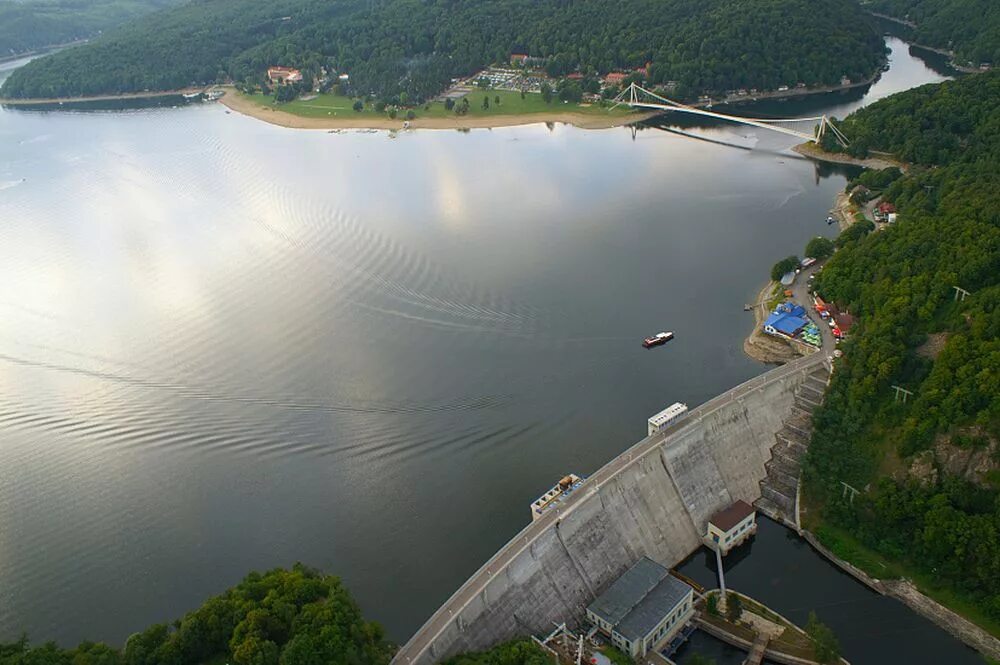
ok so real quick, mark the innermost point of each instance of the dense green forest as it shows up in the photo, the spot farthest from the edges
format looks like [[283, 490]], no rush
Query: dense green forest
[[27, 25], [286, 617], [417, 46], [970, 28], [921, 502]]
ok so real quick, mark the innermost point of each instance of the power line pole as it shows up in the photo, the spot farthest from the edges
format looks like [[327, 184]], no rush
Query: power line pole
[[906, 393], [848, 489], [960, 293]]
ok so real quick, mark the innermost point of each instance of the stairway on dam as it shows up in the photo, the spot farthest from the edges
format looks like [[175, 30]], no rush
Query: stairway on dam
[[779, 487]]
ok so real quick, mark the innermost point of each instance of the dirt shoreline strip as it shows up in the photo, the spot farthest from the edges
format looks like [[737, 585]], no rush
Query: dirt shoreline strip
[[248, 107]]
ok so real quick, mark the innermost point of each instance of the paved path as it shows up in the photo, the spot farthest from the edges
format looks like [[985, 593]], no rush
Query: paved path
[[802, 295], [415, 648]]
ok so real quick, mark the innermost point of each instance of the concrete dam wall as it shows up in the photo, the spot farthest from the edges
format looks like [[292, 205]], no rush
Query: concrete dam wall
[[652, 500]]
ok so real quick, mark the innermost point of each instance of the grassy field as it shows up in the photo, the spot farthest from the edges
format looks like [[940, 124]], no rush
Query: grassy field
[[511, 103]]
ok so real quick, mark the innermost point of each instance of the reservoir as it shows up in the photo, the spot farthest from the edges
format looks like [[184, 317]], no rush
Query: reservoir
[[228, 346]]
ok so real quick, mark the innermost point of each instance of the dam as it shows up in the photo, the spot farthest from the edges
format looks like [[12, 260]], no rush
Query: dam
[[653, 500]]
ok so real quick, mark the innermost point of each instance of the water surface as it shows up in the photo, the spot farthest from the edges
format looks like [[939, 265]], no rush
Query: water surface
[[228, 346]]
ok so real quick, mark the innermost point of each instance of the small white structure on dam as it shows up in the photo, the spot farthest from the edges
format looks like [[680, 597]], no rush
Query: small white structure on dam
[[666, 418]]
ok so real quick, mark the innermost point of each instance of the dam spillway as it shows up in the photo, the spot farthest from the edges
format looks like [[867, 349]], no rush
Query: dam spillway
[[652, 500]]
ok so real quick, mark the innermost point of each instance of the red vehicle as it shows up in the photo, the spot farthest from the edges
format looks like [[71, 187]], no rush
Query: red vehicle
[[657, 339]]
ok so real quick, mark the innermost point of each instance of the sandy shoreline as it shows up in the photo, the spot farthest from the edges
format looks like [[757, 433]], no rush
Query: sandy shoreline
[[812, 151], [248, 107]]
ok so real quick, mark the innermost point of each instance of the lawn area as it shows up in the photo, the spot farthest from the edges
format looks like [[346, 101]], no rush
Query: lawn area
[[793, 641], [511, 103]]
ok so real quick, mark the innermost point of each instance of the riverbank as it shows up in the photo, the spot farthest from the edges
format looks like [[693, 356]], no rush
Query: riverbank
[[910, 595], [248, 106], [737, 99], [763, 347], [39, 101], [965, 69], [41, 51], [813, 151]]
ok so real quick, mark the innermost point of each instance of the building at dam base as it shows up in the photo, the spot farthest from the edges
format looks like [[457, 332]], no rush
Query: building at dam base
[[643, 607], [652, 501]]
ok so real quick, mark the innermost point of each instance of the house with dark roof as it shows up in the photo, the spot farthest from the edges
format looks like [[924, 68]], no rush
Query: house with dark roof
[[729, 527], [645, 606]]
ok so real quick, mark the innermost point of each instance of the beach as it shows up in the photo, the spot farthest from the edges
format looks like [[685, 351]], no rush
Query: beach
[[242, 104], [813, 151]]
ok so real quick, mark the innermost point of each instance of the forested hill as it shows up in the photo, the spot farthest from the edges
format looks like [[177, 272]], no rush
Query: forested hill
[[282, 617], [416, 46], [928, 470], [970, 28], [27, 25], [292, 617]]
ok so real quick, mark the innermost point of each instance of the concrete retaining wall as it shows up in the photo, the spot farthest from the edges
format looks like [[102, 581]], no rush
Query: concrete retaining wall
[[653, 500]]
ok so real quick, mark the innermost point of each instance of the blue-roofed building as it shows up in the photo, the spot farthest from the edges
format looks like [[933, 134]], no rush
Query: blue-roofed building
[[788, 319], [788, 325], [643, 607], [792, 309]]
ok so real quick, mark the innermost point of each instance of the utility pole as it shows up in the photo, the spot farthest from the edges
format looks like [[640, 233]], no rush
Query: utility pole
[[902, 391], [960, 293], [847, 488]]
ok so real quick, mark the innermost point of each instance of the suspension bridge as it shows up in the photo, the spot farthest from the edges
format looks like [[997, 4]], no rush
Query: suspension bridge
[[638, 97]]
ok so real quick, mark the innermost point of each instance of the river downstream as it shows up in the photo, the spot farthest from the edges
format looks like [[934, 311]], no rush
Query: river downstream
[[227, 346]]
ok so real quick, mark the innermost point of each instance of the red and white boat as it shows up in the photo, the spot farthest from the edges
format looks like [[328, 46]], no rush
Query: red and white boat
[[657, 339]]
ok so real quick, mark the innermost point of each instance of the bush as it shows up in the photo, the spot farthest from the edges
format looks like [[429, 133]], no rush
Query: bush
[[358, 105], [734, 607]]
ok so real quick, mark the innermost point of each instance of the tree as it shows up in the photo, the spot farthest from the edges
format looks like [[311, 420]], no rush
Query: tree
[[418, 48], [496, 100], [358, 105], [819, 248], [522, 94], [486, 102], [449, 104], [713, 605], [785, 265], [546, 93], [392, 113], [410, 115], [734, 607], [825, 644]]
